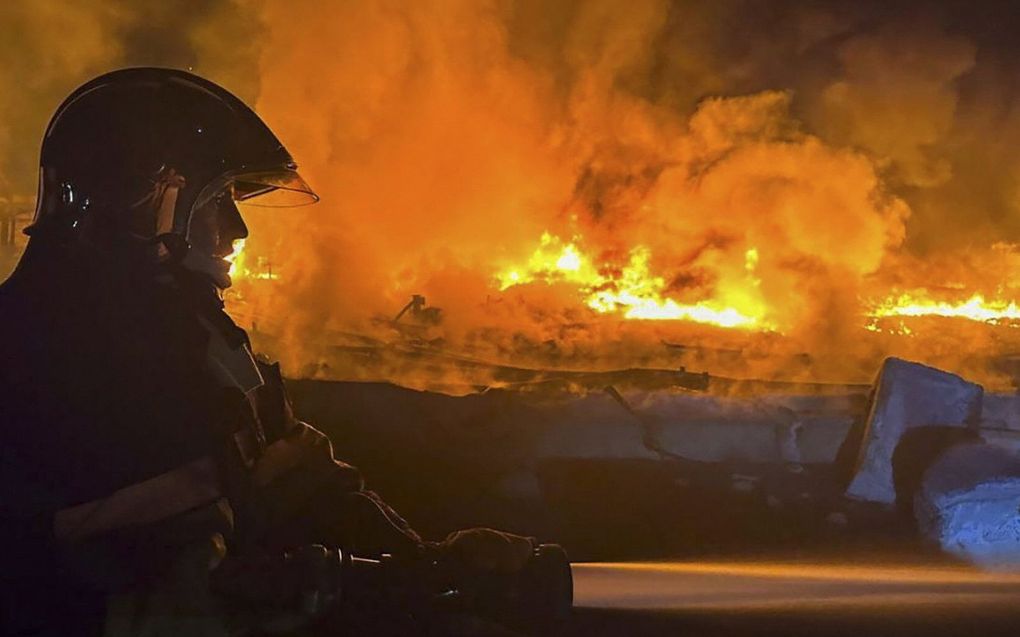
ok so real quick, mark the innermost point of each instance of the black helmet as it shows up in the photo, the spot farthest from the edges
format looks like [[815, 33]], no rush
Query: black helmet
[[129, 156]]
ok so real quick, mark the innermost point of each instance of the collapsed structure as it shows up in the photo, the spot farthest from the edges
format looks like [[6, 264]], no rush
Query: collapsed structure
[[640, 470]]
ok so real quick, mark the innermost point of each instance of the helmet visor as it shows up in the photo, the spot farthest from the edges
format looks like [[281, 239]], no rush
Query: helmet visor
[[283, 188]]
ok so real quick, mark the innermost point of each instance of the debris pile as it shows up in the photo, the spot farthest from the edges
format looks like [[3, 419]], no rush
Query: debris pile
[[640, 470], [928, 445], [969, 504]]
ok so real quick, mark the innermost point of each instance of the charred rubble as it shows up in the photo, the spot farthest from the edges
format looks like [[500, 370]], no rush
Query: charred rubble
[[636, 464]]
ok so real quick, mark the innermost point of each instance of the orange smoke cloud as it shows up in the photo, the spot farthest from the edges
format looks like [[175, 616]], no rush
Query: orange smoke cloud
[[793, 171], [442, 156]]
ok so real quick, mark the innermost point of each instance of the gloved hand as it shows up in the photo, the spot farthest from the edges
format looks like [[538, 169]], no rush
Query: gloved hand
[[488, 550], [280, 593]]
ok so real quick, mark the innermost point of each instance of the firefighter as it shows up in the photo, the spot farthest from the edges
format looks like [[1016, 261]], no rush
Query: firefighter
[[145, 453]]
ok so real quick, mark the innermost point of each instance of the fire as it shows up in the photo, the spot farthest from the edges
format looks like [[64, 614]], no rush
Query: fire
[[632, 290], [241, 269], [235, 258], [976, 308]]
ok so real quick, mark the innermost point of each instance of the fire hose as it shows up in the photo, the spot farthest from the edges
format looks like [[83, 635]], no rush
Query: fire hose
[[313, 584]]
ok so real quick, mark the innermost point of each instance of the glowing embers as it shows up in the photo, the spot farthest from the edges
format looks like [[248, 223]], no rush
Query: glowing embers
[[976, 308], [242, 268], [630, 289]]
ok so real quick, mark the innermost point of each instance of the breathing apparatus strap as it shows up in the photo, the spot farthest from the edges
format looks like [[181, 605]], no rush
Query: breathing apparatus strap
[[172, 493], [174, 245], [161, 201]]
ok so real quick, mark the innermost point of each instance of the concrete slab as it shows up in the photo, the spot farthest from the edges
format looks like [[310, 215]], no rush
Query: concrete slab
[[907, 395], [1001, 411], [969, 504]]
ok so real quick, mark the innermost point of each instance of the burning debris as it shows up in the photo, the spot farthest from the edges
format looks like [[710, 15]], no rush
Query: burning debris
[[245, 267], [631, 290], [776, 198], [976, 308], [830, 187]]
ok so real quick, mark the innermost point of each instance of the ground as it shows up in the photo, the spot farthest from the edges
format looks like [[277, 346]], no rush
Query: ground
[[817, 599], [752, 538]]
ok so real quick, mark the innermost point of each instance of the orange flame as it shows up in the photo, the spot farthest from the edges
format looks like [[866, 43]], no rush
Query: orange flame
[[633, 291], [235, 259], [976, 308], [240, 268]]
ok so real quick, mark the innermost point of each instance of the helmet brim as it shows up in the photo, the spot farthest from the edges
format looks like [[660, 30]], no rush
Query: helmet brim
[[283, 188]]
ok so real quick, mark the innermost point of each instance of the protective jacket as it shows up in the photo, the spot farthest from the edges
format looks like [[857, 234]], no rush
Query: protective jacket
[[130, 443], [150, 467]]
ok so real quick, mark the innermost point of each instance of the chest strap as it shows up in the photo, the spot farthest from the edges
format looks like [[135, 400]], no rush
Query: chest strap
[[166, 495]]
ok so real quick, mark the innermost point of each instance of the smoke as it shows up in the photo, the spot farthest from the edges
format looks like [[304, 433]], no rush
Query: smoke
[[45, 50], [896, 97], [50, 47], [851, 149], [446, 140]]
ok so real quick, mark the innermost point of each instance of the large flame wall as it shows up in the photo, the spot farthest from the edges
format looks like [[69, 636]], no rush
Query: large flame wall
[[787, 180]]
